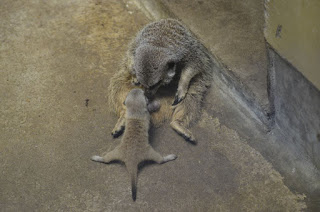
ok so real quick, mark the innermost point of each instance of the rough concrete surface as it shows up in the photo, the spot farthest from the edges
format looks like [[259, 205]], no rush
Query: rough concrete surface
[[297, 106], [296, 167], [56, 59]]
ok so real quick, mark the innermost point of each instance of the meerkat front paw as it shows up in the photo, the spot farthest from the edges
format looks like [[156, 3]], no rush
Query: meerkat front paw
[[117, 131], [135, 81], [119, 128]]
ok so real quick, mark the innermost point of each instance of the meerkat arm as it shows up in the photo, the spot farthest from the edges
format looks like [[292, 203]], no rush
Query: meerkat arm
[[190, 108], [107, 158], [186, 75], [156, 157]]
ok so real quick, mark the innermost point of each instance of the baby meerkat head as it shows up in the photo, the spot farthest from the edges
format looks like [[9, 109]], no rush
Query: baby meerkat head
[[136, 99], [153, 67], [136, 102]]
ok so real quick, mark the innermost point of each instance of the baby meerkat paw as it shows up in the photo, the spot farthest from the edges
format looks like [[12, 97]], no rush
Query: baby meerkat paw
[[97, 158], [169, 158], [135, 81], [117, 131]]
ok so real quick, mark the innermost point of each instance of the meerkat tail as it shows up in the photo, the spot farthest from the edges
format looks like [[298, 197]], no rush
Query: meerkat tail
[[133, 173], [134, 186]]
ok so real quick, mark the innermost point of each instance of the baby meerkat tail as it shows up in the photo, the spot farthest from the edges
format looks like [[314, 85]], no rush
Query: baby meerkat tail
[[133, 173], [134, 186]]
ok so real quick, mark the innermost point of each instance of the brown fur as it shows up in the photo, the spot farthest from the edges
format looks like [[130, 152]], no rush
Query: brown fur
[[121, 84], [193, 66]]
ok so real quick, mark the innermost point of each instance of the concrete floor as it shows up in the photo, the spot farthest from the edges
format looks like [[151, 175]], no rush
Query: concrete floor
[[56, 59]]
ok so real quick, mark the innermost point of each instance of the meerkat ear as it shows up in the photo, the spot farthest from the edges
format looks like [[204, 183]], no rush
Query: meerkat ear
[[124, 102]]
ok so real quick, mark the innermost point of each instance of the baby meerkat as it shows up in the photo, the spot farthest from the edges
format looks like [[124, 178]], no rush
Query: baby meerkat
[[164, 50], [134, 147]]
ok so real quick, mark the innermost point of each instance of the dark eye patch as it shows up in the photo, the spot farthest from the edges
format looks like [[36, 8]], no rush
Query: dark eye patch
[[171, 65]]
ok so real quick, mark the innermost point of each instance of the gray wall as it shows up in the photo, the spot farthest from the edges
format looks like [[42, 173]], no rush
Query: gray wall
[[296, 105]]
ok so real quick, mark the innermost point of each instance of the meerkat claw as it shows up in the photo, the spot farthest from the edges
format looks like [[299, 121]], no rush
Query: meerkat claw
[[177, 100], [190, 139], [184, 132], [117, 133]]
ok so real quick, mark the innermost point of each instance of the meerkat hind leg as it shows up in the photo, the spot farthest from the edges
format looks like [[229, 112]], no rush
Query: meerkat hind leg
[[156, 157], [108, 157], [169, 158]]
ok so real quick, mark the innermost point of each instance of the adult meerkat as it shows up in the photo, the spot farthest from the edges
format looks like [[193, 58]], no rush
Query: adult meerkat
[[161, 51], [134, 147]]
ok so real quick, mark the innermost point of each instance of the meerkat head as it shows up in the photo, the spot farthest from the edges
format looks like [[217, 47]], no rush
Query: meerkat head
[[136, 102], [153, 67]]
